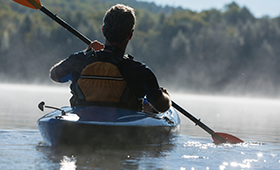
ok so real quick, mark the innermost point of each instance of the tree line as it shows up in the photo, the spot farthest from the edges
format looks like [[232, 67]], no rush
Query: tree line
[[213, 51]]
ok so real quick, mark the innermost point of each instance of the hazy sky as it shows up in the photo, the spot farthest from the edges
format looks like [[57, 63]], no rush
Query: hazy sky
[[258, 7]]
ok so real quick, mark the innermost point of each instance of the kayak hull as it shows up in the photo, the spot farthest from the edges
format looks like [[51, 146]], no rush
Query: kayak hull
[[95, 126]]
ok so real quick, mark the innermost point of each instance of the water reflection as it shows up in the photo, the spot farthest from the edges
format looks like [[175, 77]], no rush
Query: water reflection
[[121, 157], [68, 163], [184, 152]]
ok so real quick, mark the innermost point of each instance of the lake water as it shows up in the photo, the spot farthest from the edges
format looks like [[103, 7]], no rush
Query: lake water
[[256, 121]]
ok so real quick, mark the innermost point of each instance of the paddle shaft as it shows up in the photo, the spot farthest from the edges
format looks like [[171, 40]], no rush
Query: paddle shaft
[[65, 25], [199, 123]]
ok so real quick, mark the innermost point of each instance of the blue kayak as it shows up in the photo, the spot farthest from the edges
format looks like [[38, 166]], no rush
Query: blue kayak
[[97, 125]]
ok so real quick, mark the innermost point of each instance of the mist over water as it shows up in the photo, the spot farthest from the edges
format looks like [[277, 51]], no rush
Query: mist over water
[[19, 103], [254, 120]]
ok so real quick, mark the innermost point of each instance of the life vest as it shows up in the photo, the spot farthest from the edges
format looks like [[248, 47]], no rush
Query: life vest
[[101, 83]]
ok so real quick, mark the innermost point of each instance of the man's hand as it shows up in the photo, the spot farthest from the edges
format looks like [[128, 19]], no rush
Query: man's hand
[[96, 45], [164, 90]]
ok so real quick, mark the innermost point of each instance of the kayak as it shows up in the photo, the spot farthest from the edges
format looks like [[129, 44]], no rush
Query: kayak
[[98, 125]]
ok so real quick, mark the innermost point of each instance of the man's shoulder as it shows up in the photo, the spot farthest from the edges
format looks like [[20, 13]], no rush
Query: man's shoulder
[[134, 67], [81, 57], [82, 54], [129, 59]]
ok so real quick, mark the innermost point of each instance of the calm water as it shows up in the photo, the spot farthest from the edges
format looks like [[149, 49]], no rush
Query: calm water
[[253, 120]]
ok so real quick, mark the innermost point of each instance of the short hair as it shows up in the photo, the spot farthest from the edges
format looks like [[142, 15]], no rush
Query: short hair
[[118, 23]]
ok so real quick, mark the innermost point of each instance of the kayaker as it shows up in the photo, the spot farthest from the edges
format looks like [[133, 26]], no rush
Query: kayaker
[[105, 76]]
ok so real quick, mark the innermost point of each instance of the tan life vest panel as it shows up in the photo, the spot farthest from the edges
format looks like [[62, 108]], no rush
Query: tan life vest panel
[[101, 82]]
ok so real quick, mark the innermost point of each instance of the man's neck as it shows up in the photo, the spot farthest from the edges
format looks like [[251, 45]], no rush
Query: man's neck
[[122, 45]]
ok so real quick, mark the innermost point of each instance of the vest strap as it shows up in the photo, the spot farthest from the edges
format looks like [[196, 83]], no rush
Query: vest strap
[[101, 77]]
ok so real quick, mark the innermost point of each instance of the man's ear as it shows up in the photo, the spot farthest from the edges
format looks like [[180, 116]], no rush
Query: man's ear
[[131, 34], [103, 31]]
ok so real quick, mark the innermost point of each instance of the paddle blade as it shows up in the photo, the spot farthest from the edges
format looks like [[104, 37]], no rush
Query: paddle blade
[[35, 4], [229, 138]]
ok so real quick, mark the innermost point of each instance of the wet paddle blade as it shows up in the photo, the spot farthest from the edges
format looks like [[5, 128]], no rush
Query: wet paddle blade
[[229, 138], [35, 4]]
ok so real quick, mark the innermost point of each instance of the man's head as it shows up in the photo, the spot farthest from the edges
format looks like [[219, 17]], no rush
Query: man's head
[[118, 23]]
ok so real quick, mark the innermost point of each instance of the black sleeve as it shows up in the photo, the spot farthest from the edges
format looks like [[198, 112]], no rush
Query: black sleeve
[[141, 80], [69, 68]]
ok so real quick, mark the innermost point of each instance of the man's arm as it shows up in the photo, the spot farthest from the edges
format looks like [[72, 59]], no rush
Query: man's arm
[[157, 96], [61, 72], [53, 74], [163, 103]]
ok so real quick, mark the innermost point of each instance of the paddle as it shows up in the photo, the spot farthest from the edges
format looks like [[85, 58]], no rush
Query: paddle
[[217, 137], [36, 4]]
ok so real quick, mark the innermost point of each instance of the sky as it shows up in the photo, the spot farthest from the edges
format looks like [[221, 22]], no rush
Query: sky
[[258, 8]]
